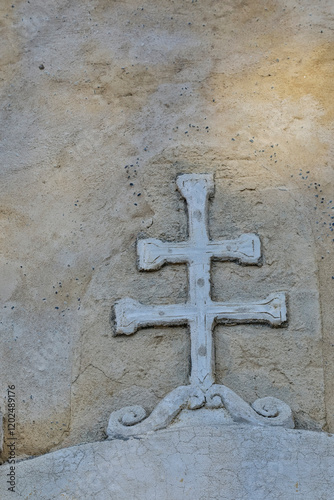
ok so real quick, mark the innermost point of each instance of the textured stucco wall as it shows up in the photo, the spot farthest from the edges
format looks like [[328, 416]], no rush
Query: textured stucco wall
[[241, 89]]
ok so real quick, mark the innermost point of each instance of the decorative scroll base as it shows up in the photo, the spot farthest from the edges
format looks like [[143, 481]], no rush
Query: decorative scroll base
[[132, 421]]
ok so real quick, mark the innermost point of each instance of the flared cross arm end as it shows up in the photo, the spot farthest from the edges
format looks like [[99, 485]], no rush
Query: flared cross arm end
[[125, 316], [151, 254], [277, 308], [246, 249]]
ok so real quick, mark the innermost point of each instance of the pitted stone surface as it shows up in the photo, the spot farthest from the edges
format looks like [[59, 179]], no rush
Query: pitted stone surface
[[195, 462]]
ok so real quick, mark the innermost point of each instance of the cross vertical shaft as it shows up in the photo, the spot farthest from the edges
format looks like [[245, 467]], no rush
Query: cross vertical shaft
[[196, 193]]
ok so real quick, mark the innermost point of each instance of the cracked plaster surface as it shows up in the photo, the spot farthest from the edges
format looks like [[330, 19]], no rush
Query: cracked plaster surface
[[198, 462]]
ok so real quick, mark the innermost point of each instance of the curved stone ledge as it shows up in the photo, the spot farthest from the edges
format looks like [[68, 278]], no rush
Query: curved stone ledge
[[197, 462]]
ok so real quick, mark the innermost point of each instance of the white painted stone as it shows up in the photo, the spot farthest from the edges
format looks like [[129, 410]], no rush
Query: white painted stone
[[201, 314], [185, 461], [132, 421]]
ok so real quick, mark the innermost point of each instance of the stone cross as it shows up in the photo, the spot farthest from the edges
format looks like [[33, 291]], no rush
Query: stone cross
[[199, 312]]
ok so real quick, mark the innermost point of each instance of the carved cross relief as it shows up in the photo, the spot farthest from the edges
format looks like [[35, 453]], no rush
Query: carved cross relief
[[201, 314]]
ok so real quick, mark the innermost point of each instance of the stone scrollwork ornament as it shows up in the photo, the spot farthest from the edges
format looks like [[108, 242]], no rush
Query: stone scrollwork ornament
[[201, 314]]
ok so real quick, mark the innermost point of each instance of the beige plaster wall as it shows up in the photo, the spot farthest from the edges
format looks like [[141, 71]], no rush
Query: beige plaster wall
[[241, 89]]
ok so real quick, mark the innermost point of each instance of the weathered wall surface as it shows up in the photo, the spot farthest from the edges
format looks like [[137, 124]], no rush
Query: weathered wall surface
[[132, 94], [221, 463]]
